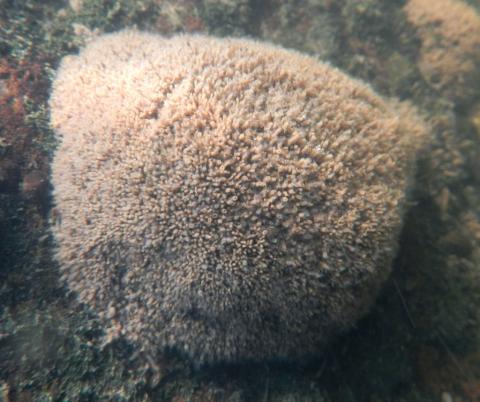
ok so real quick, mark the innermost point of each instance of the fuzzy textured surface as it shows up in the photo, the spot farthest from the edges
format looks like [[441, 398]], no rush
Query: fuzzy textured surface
[[227, 198], [449, 31]]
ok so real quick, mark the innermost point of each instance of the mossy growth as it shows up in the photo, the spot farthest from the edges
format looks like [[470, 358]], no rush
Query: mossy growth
[[226, 17], [382, 47], [47, 28], [308, 26], [62, 358]]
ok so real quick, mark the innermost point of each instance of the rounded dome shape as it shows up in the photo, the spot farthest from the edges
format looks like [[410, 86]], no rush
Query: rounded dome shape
[[227, 198]]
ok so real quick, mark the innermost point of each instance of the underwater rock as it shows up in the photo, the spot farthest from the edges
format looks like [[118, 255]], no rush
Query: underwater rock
[[230, 199]]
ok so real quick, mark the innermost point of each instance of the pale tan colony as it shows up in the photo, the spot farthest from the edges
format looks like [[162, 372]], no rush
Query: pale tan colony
[[226, 198]]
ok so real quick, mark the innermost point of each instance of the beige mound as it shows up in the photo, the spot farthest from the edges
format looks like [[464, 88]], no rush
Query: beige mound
[[449, 31], [229, 199]]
